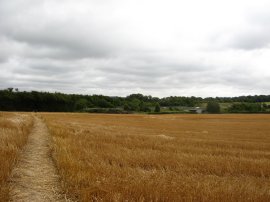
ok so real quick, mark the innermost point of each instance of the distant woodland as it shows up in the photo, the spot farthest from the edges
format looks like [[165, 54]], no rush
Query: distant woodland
[[15, 100]]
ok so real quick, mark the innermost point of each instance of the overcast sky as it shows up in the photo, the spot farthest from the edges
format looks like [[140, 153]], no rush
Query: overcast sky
[[118, 47]]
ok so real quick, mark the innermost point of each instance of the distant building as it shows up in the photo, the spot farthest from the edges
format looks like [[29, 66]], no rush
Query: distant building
[[196, 110]]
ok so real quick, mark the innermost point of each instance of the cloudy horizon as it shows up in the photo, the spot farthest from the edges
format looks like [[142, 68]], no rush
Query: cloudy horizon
[[119, 47]]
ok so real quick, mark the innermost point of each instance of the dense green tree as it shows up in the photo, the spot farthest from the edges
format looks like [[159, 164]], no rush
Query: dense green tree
[[103, 103], [12, 99], [213, 107], [134, 104], [246, 108], [81, 104], [157, 107], [127, 107], [145, 107]]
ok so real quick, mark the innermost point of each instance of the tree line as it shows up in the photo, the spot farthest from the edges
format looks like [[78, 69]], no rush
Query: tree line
[[15, 100]]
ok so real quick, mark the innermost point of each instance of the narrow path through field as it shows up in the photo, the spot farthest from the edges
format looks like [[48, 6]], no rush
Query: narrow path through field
[[35, 178]]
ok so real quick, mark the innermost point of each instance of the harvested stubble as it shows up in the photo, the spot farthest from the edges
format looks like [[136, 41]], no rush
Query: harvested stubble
[[162, 158], [14, 130]]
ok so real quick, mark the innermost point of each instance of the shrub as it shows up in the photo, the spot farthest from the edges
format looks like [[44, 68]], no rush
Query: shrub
[[157, 107], [213, 107]]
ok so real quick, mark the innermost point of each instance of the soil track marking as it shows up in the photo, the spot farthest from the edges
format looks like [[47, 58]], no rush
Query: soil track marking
[[35, 177]]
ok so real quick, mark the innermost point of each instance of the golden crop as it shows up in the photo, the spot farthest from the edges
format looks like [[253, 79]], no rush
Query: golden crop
[[14, 129], [162, 157]]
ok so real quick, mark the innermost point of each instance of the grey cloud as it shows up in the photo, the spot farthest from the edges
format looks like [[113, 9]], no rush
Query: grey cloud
[[71, 37], [68, 45], [85, 53], [150, 66], [254, 35], [253, 39]]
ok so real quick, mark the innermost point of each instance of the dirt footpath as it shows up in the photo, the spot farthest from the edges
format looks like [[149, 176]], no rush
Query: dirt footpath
[[35, 177]]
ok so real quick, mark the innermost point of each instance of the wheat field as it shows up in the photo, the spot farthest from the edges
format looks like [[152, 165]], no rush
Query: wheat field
[[162, 157], [14, 130]]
